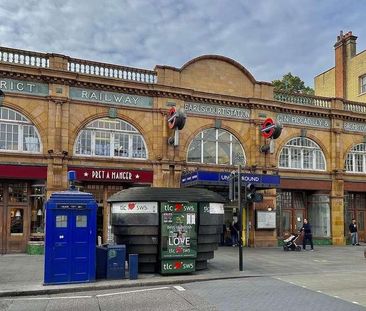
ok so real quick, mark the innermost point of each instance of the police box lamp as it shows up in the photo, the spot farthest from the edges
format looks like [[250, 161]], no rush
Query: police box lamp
[[71, 176], [270, 130], [176, 121]]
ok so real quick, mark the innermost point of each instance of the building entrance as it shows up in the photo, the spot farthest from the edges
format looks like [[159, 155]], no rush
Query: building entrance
[[14, 217], [355, 207], [294, 206]]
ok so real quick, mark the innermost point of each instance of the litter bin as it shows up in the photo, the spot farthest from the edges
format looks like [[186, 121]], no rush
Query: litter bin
[[111, 262], [133, 266]]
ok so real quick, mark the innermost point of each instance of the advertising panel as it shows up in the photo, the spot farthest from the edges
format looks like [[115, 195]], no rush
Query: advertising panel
[[178, 230]]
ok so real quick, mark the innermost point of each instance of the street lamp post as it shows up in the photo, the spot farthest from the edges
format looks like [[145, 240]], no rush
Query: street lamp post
[[240, 208]]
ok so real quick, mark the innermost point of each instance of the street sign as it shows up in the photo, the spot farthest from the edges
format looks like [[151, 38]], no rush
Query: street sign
[[206, 178]]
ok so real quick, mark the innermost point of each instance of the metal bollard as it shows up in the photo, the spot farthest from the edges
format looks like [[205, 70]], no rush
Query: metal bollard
[[133, 265]]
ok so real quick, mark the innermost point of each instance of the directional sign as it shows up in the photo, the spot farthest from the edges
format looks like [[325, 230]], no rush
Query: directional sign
[[201, 178]]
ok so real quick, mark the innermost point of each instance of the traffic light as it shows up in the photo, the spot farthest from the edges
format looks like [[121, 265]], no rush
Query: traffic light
[[233, 187], [251, 194]]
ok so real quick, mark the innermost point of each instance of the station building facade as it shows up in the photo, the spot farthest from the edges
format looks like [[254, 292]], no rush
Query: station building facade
[[109, 123]]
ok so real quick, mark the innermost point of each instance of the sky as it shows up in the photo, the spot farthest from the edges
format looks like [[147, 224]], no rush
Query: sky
[[268, 37]]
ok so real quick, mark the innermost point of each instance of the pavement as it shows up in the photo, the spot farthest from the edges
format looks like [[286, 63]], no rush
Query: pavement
[[22, 274]]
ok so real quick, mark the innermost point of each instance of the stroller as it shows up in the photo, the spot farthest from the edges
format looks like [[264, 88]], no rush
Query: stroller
[[290, 244]]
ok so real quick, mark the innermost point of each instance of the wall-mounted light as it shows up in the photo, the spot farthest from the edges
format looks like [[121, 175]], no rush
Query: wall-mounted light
[[17, 213], [50, 151], [39, 212], [2, 95]]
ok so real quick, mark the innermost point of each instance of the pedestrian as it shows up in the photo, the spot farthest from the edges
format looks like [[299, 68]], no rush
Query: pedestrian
[[306, 229], [354, 233], [234, 233]]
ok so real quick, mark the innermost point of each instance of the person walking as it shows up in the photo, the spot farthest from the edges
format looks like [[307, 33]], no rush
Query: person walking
[[234, 233], [354, 233], [308, 236]]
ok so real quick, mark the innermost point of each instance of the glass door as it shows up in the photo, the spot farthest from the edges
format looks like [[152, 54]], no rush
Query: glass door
[[17, 217], [286, 222], [361, 225], [298, 219]]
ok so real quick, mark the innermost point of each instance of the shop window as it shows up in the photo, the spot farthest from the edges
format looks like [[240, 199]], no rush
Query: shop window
[[17, 133], [111, 138], [216, 146], [303, 154], [61, 221], [81, 221], [16, 221], [18, 193], [37, 212], [356, 159]]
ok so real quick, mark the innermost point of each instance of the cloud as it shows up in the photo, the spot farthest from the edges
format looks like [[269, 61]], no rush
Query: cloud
[[269, 38]]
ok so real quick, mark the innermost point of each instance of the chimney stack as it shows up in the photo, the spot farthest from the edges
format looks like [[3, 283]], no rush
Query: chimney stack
[[345, 49]]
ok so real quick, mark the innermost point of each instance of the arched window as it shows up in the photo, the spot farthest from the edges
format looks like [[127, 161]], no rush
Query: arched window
[[302, 153], [216, 146], [111, 138], [356, 159], [17, 133]]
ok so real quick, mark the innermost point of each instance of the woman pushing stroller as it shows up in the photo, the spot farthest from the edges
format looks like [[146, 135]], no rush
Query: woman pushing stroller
[[306, 228]]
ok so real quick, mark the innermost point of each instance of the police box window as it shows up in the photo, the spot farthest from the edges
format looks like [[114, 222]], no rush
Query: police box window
[[81, 221], [61, 221]]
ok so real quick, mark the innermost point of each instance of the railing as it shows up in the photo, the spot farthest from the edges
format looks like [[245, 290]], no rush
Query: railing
[[34, 59], [354, 106], [307, 100], [111, 71], [28, 58]]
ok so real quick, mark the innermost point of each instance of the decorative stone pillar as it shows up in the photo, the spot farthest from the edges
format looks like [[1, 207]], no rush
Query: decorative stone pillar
[[337, 208], [58, 157]]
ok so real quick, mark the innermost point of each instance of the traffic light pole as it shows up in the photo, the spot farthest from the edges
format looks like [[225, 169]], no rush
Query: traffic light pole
[[240, 208]]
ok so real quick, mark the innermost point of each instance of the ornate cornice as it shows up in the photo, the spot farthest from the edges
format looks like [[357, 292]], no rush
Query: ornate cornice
[[157, 90]]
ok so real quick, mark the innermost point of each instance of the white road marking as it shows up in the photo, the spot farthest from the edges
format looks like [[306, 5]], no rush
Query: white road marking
[[180, 288], [49, 298], [355, 302], [133, 291]]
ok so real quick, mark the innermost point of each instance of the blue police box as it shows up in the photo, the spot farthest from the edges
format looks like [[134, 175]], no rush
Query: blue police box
[[70, 239]]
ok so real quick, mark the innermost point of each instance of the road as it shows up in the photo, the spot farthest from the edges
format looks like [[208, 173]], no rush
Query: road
[[292, 292]]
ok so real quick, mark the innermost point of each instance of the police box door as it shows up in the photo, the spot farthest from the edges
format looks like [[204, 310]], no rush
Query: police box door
[[70, 244]]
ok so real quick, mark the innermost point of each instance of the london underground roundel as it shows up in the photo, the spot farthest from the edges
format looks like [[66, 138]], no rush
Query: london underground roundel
[[268, 128], [172, 117], [176, 118]]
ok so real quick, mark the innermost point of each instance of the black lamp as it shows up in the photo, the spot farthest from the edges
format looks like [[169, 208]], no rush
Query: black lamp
[[2, 95]]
